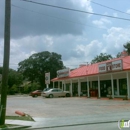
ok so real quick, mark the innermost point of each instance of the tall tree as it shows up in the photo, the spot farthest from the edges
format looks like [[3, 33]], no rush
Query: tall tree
[[14, 77], [35, 67], [127, 47], [118, 55], [101, 57]]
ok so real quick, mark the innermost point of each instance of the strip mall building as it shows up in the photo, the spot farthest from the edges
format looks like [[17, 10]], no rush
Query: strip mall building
[[104, 79]]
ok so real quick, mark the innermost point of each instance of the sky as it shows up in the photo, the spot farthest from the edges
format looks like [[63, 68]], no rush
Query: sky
[[77, 36]]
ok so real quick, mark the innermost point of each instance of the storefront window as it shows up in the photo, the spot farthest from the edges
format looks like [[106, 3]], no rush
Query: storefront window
[[95, 85], [122, 86], [84, 87], [67, 86]]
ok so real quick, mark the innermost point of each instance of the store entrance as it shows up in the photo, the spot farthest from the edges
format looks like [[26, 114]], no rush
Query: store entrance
[[75, 89], [106, 87]]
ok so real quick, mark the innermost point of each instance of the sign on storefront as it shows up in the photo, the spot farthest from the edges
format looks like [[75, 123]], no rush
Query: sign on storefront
[[102, 68], [47, 78], [63, 73], [110, 66], [117, 65]]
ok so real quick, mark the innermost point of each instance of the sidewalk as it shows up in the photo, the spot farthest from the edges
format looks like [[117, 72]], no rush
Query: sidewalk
[[71, 121]]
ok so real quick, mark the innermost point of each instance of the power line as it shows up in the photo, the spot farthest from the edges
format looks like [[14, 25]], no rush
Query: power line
[[109, 7], [75, 10]]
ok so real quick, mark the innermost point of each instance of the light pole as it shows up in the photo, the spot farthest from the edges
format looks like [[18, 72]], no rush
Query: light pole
[[5, 61]]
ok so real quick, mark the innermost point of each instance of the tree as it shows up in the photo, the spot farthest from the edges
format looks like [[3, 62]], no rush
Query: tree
[[101, 57], [127, 47], [118, 55], [35, 67], [14, 78]]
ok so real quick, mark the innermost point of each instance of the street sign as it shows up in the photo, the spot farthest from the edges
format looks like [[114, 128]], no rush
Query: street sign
[[47, 78]]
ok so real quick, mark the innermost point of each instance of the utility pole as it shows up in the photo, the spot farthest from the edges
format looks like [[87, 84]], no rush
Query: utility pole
[[5, 61]]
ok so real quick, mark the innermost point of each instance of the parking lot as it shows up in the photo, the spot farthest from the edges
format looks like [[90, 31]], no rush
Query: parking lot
[[70, 113], [62, 107]]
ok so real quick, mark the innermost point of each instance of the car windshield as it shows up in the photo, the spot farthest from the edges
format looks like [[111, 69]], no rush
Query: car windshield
[[46, 89]]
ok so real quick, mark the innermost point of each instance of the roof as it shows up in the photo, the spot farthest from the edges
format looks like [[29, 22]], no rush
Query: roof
[[93, 69]]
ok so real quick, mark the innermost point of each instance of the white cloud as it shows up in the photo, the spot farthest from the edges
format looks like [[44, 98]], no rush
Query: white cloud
[[115, 39], [102, 23], [85, 4], [74, 49], [115, 14], [128, 11]]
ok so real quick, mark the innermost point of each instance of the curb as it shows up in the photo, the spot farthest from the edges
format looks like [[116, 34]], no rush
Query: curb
[[78, 124], [15, 128]]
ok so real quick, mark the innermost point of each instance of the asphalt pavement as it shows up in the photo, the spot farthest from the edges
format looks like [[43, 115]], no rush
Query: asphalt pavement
[[73, 113]]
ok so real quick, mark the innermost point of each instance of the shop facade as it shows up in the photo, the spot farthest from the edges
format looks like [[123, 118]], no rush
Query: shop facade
[[105, 79]]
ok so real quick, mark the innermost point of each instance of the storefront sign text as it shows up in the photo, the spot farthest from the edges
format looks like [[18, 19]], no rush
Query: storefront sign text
[[110, 66], [63, 73]]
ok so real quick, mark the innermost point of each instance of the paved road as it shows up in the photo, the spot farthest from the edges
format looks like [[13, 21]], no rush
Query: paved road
[[104, 126], [60, 107], [74, 113]]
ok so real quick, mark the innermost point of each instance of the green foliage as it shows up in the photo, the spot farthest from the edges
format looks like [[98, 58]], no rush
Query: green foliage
[[101, 57], [12, 90], [127, 47], [34, 86], [35, 67], [118, 55], [26, 89], [14, 80]]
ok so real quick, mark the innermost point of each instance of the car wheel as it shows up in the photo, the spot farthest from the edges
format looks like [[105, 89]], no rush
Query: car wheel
[[67, 95], [50, 96]]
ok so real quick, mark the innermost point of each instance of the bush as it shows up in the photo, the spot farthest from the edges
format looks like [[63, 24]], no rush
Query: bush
[[13, 90], [34, 86], [31, 87], [26, 89]]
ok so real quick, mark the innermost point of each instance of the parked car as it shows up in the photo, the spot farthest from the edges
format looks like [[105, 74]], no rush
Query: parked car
[[55, 92], [36, 93], [46, 89]]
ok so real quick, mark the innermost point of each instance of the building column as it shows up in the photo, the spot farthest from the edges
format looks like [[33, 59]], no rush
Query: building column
[[71, 88], [64, 86], [117, 81], [53, 84], [112, 86], [88, 87], [99, 95], [128, 84], [79, 87]]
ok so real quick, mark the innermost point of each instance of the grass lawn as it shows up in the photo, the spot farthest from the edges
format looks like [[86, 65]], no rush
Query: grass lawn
[[23, 118]]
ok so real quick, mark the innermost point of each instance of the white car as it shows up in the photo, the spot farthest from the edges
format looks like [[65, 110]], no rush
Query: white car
[[55, 92]]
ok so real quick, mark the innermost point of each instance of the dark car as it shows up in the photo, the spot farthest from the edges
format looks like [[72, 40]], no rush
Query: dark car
[[36, 93]]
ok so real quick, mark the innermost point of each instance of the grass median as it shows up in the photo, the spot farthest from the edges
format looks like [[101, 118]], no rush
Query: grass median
[[22, 118]]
